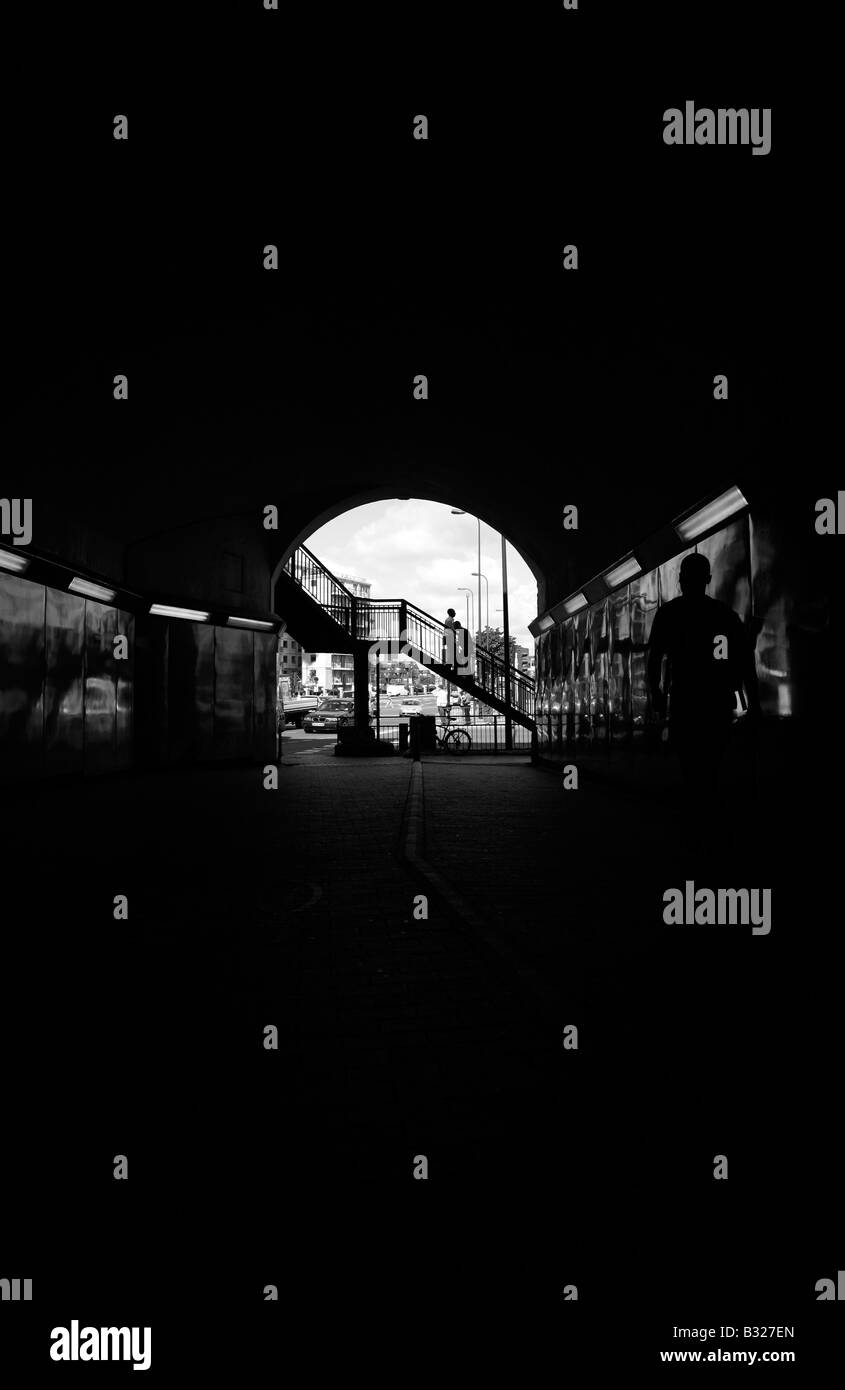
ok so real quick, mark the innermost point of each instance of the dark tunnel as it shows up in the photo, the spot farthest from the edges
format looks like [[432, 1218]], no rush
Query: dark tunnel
[[368, 971]]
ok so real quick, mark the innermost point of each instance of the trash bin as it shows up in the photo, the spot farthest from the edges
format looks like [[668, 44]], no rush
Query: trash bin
[[349, 734], [423, 734]]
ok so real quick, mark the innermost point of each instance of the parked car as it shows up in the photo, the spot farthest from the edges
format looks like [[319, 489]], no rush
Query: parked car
[[329, 716], [409, 706]]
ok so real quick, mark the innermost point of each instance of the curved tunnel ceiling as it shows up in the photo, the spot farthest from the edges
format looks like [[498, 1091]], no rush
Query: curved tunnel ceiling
[[448, 497], [320, 417]]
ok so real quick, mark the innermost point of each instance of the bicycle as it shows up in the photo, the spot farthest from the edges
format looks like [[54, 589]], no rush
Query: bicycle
[[455, 740]]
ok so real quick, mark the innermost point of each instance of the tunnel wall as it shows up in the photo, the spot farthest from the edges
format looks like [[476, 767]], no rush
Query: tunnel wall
[[220, 561], [206, 693], [66, 702], [591, 668], [186, 692]]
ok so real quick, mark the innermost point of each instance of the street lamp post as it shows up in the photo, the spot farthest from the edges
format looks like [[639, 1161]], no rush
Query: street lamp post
[[456, 511], [487, 591], [508, 725], [462, 589], [505, 617]]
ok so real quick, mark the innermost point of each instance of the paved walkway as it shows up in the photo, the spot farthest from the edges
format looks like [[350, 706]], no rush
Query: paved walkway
[[397, 1037], [295, 908], [555, 872]]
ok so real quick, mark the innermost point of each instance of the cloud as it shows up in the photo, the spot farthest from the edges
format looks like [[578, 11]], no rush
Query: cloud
[[419, 551]]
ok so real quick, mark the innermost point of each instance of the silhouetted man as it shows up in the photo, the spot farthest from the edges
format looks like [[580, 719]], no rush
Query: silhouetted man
[[709, 658], [449, 638]]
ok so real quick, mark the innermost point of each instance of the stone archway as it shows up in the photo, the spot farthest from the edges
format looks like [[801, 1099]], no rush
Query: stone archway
[[455, 497]]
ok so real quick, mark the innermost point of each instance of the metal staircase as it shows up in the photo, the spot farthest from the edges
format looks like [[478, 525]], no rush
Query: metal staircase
[[324, 613]]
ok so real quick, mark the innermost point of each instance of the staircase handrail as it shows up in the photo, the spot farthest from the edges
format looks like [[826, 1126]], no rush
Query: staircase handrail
[[519, 681], [321, 566]]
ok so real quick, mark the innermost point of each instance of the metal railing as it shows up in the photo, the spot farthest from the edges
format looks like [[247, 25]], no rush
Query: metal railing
[[380, 620], [491, 675], [411, 631], [427, 641], [312, 576], [486, 733]]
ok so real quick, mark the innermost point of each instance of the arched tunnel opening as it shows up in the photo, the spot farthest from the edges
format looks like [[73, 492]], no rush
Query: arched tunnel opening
[[384, 673], [418, 735]]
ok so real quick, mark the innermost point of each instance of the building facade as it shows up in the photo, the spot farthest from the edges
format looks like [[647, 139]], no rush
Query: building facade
[[524, 660], [289, 662], [328, 671], [361, 588]]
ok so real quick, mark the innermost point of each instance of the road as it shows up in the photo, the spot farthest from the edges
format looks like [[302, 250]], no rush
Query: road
[[390, 717], [391, 704]]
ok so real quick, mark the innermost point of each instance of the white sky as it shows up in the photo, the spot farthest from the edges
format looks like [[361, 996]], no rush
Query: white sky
[[418, 551]]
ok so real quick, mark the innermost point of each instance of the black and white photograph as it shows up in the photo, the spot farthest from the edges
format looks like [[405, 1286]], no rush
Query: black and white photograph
[[419, 754]]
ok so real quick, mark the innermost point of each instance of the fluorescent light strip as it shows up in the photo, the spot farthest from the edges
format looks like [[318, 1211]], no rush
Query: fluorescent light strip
[[249, 622], [545, 622], [715, 512], [18, 564], [84, 586], [574, 604], [164, 610], [626, 569]]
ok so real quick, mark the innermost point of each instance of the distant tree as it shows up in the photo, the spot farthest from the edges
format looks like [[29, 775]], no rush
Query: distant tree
[[397, 672], [492, 639], [408, 672]]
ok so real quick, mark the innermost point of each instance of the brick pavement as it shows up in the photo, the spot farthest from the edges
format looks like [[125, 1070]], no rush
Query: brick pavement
[[573, 881], [529, 856], [396, 1037], [250, 907]]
